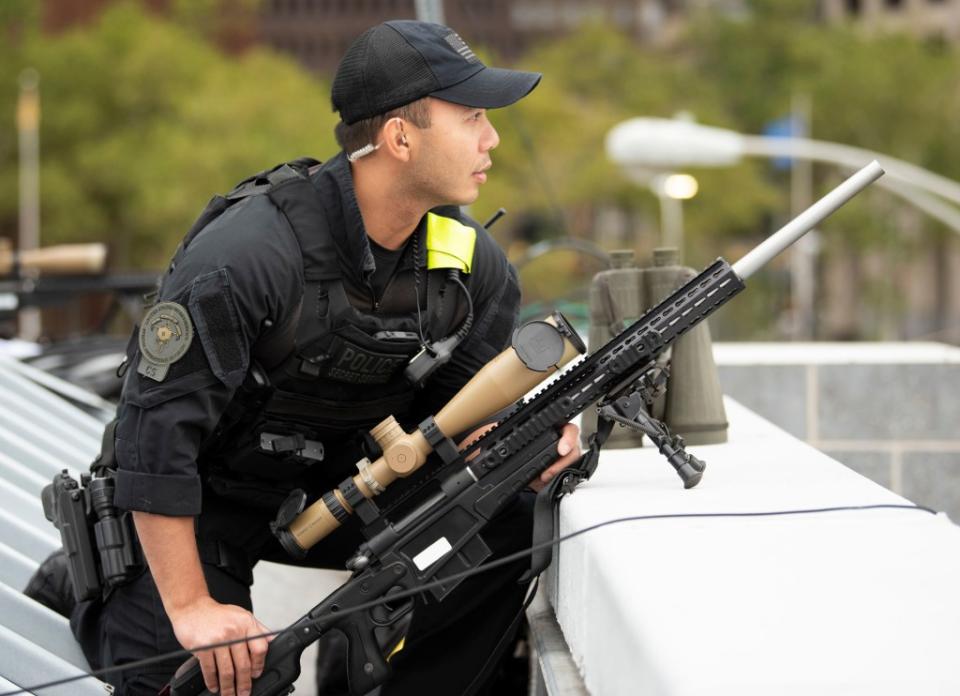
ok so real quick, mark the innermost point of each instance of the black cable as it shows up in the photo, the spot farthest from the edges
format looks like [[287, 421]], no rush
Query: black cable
[[456, 577], [416, 285], [468, 322], [464, 329]]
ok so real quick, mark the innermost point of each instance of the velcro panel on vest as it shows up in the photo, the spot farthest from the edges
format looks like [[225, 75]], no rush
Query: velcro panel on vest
[[218, 326], [450, 243]]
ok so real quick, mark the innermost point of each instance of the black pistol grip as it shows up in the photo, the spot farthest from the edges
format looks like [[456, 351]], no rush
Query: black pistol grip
[[280, 670], [366, 667], [188, 679]]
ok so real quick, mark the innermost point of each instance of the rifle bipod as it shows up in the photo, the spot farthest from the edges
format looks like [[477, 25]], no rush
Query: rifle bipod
[[632, 411]]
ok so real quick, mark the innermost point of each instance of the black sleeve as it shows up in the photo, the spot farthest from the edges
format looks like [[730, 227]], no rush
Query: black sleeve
[[242, 270], [495, 290]]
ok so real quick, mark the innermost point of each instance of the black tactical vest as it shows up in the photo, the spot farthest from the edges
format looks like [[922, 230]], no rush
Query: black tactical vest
[[331, 372]]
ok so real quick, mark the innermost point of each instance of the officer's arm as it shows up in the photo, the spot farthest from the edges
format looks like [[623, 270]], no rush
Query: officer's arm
[[171, 551], [231, 280]]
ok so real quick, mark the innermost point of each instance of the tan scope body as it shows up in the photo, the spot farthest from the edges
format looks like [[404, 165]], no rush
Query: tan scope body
[[501, 382]]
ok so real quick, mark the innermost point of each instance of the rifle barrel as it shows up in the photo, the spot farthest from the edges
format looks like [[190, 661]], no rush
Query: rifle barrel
[[807, 220]]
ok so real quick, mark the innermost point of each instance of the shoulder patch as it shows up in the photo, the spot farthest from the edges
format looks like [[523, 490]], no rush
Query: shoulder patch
[[165, 335]]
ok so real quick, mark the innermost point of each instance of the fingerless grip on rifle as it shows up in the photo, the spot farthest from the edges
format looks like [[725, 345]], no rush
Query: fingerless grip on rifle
[[281, 668]]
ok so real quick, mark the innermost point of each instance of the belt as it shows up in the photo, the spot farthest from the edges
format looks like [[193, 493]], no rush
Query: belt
[[226, 557]]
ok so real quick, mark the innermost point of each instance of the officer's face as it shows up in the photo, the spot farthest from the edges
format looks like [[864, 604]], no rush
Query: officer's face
[[453, 155]]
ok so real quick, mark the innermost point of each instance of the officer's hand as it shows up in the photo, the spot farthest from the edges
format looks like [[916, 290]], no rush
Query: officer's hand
[[228, 670], [569, 449]]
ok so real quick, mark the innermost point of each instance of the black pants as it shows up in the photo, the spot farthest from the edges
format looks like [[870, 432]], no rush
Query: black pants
[[451, 647]]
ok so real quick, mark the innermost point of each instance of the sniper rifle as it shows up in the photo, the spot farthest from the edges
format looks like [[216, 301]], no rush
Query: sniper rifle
[[439, 538]]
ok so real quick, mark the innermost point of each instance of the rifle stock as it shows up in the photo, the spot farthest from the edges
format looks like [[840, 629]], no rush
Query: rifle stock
[[440, 539]]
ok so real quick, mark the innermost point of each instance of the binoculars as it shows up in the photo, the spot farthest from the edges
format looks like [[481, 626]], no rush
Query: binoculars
[[692, 402]]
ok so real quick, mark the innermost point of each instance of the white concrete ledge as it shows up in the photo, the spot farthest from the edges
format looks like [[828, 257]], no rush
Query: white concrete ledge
[[860, 602], [887, 410], [826, 353]]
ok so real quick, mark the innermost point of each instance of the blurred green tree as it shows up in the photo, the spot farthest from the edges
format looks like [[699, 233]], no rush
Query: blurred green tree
[[142, 121], [891, 93], [552, 159]]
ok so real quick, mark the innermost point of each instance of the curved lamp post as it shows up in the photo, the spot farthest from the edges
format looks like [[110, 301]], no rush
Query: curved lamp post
[[660, 143], [641, 144]]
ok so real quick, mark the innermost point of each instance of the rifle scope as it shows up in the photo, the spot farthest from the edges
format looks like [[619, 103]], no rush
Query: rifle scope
[[539, 349]]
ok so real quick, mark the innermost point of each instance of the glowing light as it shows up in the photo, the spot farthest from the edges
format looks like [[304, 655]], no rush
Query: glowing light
[[680, 187]]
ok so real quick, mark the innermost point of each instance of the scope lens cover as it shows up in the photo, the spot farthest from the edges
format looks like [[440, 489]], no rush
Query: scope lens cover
[[539, 345]]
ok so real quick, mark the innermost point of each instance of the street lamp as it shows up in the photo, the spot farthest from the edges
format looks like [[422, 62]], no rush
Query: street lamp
[[28, 129], [640, 145], [671, 190]]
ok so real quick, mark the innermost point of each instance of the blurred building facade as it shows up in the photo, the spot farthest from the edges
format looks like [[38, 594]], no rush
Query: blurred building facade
[[317, 32], [58, 15], [923, 18]]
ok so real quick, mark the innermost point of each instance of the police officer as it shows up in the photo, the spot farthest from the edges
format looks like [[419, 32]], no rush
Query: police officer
[[283, 328]]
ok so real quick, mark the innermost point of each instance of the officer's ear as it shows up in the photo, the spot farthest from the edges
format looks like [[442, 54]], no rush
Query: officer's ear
[[395, 139]]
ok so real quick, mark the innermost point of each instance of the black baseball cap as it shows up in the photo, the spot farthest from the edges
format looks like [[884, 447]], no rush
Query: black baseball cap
[[398, 62]]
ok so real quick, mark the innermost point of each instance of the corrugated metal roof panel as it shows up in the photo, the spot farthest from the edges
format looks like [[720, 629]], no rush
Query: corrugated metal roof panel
[[23, 662], [41, 433], [15, 567], [40, 625]]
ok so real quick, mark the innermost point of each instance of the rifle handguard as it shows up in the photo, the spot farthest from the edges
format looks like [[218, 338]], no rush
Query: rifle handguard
[[539, 349]]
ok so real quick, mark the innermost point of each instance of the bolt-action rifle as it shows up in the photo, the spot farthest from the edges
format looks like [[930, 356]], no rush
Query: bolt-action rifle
[[440, 538]]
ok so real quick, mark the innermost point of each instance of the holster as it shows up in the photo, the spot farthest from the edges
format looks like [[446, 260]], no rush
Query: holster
[[99, 541]]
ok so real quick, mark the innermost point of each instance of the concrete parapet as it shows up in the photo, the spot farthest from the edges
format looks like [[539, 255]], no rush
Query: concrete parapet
[[889, 411]]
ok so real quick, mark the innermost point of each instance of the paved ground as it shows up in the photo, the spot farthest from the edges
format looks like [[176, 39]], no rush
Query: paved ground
[[281, 594]]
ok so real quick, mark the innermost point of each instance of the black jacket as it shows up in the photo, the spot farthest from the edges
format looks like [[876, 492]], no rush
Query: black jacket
[[251, 257]]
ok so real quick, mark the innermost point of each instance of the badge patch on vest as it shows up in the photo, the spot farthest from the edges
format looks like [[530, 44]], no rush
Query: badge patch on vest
[[355, 364], [165, 336]]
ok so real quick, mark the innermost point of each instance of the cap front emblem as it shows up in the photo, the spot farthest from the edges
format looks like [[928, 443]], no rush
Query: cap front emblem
[[460, 46]]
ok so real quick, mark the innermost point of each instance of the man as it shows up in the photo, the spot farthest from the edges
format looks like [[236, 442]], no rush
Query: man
[[282, 330]]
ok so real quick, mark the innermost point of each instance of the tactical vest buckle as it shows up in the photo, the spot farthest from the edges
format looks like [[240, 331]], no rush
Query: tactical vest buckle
[[295, 443]]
